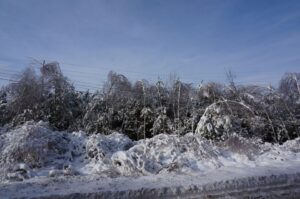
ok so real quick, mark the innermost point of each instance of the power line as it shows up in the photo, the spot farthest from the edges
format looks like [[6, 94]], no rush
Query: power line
[[156, 75], [101, 86], [1, 78], [96, 86]]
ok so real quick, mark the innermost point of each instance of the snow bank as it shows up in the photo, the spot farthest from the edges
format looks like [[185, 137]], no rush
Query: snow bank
[[167, 153], [93, 153], [33, 150], [192, 154], [46, 152], [33, 145]]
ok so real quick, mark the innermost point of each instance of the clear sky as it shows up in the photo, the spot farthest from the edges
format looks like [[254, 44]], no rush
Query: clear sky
[[258, 40]]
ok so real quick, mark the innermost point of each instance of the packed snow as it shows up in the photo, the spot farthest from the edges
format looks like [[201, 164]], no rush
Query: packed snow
[[34, 151], [234, 183]]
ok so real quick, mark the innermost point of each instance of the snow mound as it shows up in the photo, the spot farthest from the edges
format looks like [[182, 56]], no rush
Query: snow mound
[[33, 150], [101, 146], [250, 147], [54, 153], [292, 145], [34, 145], [192, 154], [94, 152], [167, 153]]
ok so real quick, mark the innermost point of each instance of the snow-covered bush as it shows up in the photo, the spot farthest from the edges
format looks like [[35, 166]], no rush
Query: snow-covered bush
[[34, 145], [223, 118], [37, 147], [167, 153], [96, 117], [162, 123], [289, 85], [33, 150], [100, 146], [95, 151], [143, 109], [3, 107]]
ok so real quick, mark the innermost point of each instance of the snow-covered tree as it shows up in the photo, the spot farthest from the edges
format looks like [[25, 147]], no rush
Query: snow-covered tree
[[61, 97], [3, 107], [25, 96]]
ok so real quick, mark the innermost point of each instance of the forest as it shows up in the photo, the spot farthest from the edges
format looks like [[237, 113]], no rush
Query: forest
[[142, 109]]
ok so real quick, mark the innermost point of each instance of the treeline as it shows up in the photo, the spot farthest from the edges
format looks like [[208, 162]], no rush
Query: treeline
[[142, 109]]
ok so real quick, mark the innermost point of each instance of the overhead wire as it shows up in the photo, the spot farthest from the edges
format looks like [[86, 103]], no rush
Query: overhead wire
[[7, 71], [156, 75]]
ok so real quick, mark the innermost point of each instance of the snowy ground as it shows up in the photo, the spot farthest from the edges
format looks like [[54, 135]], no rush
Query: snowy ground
[[35, 162], [221, 183]]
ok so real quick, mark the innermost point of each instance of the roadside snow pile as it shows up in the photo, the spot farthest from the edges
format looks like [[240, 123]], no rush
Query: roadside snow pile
[[34, 146], [286, 153], [33, 150], [167, 153], [94, 152], [41, 152]]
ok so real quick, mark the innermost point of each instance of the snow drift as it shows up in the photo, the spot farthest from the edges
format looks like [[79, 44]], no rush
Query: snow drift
[[33, 150]]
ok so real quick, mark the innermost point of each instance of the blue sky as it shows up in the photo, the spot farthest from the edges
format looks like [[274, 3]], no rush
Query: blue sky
[[258, 40]]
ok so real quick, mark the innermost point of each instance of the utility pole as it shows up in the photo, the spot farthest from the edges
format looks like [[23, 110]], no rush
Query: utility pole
[[178, 106], [144, 91]]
